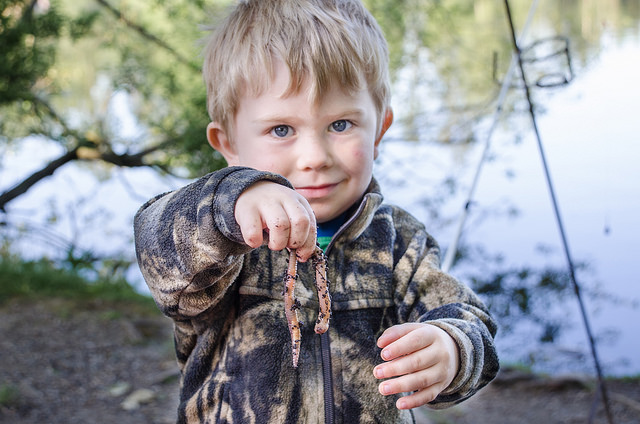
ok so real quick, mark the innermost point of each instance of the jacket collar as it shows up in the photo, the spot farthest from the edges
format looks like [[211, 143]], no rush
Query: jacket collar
[[363, 213]]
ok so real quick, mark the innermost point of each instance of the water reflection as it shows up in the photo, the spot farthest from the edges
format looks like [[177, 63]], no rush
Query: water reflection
[[443, 54], [590, 130]]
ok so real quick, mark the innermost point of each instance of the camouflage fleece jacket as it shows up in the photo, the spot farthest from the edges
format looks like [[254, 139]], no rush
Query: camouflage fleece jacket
[[231, 336]]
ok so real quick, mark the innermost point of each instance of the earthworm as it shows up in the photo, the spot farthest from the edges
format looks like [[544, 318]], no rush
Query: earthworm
[[291, 304], [319, 262]]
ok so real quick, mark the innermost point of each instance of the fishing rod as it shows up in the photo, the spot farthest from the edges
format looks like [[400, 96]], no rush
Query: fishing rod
[[506, 83], [585, 319]]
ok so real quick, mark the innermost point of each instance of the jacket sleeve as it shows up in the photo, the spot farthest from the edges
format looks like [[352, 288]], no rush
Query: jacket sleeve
[[431, 296], [188, 244]]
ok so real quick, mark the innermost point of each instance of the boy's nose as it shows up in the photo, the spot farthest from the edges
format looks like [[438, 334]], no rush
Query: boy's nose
[[313, 152]]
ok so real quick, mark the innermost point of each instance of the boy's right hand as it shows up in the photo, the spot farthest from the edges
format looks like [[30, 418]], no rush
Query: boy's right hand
[[272, 214]]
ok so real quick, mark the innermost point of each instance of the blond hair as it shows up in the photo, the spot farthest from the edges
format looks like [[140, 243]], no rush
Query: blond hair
[[322, 42]]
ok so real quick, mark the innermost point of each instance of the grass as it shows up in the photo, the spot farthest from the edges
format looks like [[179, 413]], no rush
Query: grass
[[628, 378], [8, 395], [41, 279]]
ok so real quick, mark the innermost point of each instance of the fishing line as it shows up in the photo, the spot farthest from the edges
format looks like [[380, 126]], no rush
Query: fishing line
[[506, 84], [601, 384]]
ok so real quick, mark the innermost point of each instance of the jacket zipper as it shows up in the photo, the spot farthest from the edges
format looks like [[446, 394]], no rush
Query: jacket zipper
[[327, 375], [325, 348], [325, 342]]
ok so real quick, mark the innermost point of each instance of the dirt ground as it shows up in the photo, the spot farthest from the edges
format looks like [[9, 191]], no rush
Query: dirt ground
[[515, 398], [94, 364]]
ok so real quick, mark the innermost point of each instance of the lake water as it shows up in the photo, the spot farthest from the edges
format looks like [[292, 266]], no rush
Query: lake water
[[591, 134]]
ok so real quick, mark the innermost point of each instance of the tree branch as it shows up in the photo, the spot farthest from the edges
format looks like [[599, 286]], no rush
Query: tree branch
[[146, 34], [86, 149], [47, 171], [40, 102], [126, 160]]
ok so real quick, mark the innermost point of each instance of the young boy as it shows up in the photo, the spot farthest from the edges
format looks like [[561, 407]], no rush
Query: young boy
[[298, 94]]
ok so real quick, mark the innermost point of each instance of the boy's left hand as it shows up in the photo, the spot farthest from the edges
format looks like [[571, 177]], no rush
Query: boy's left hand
[[423, 358]]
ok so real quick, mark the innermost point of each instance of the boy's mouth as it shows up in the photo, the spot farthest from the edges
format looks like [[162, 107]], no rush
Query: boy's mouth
[[316, 191]]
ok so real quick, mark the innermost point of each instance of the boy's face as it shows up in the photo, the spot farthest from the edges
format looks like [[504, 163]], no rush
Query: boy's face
[[325, 149]]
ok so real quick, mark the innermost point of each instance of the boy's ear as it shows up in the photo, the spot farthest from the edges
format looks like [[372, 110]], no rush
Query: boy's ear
[[386, 123], [219, 140]]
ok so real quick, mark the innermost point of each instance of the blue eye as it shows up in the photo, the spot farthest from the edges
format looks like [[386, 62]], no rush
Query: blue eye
[[341, 125], [280, 131]]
